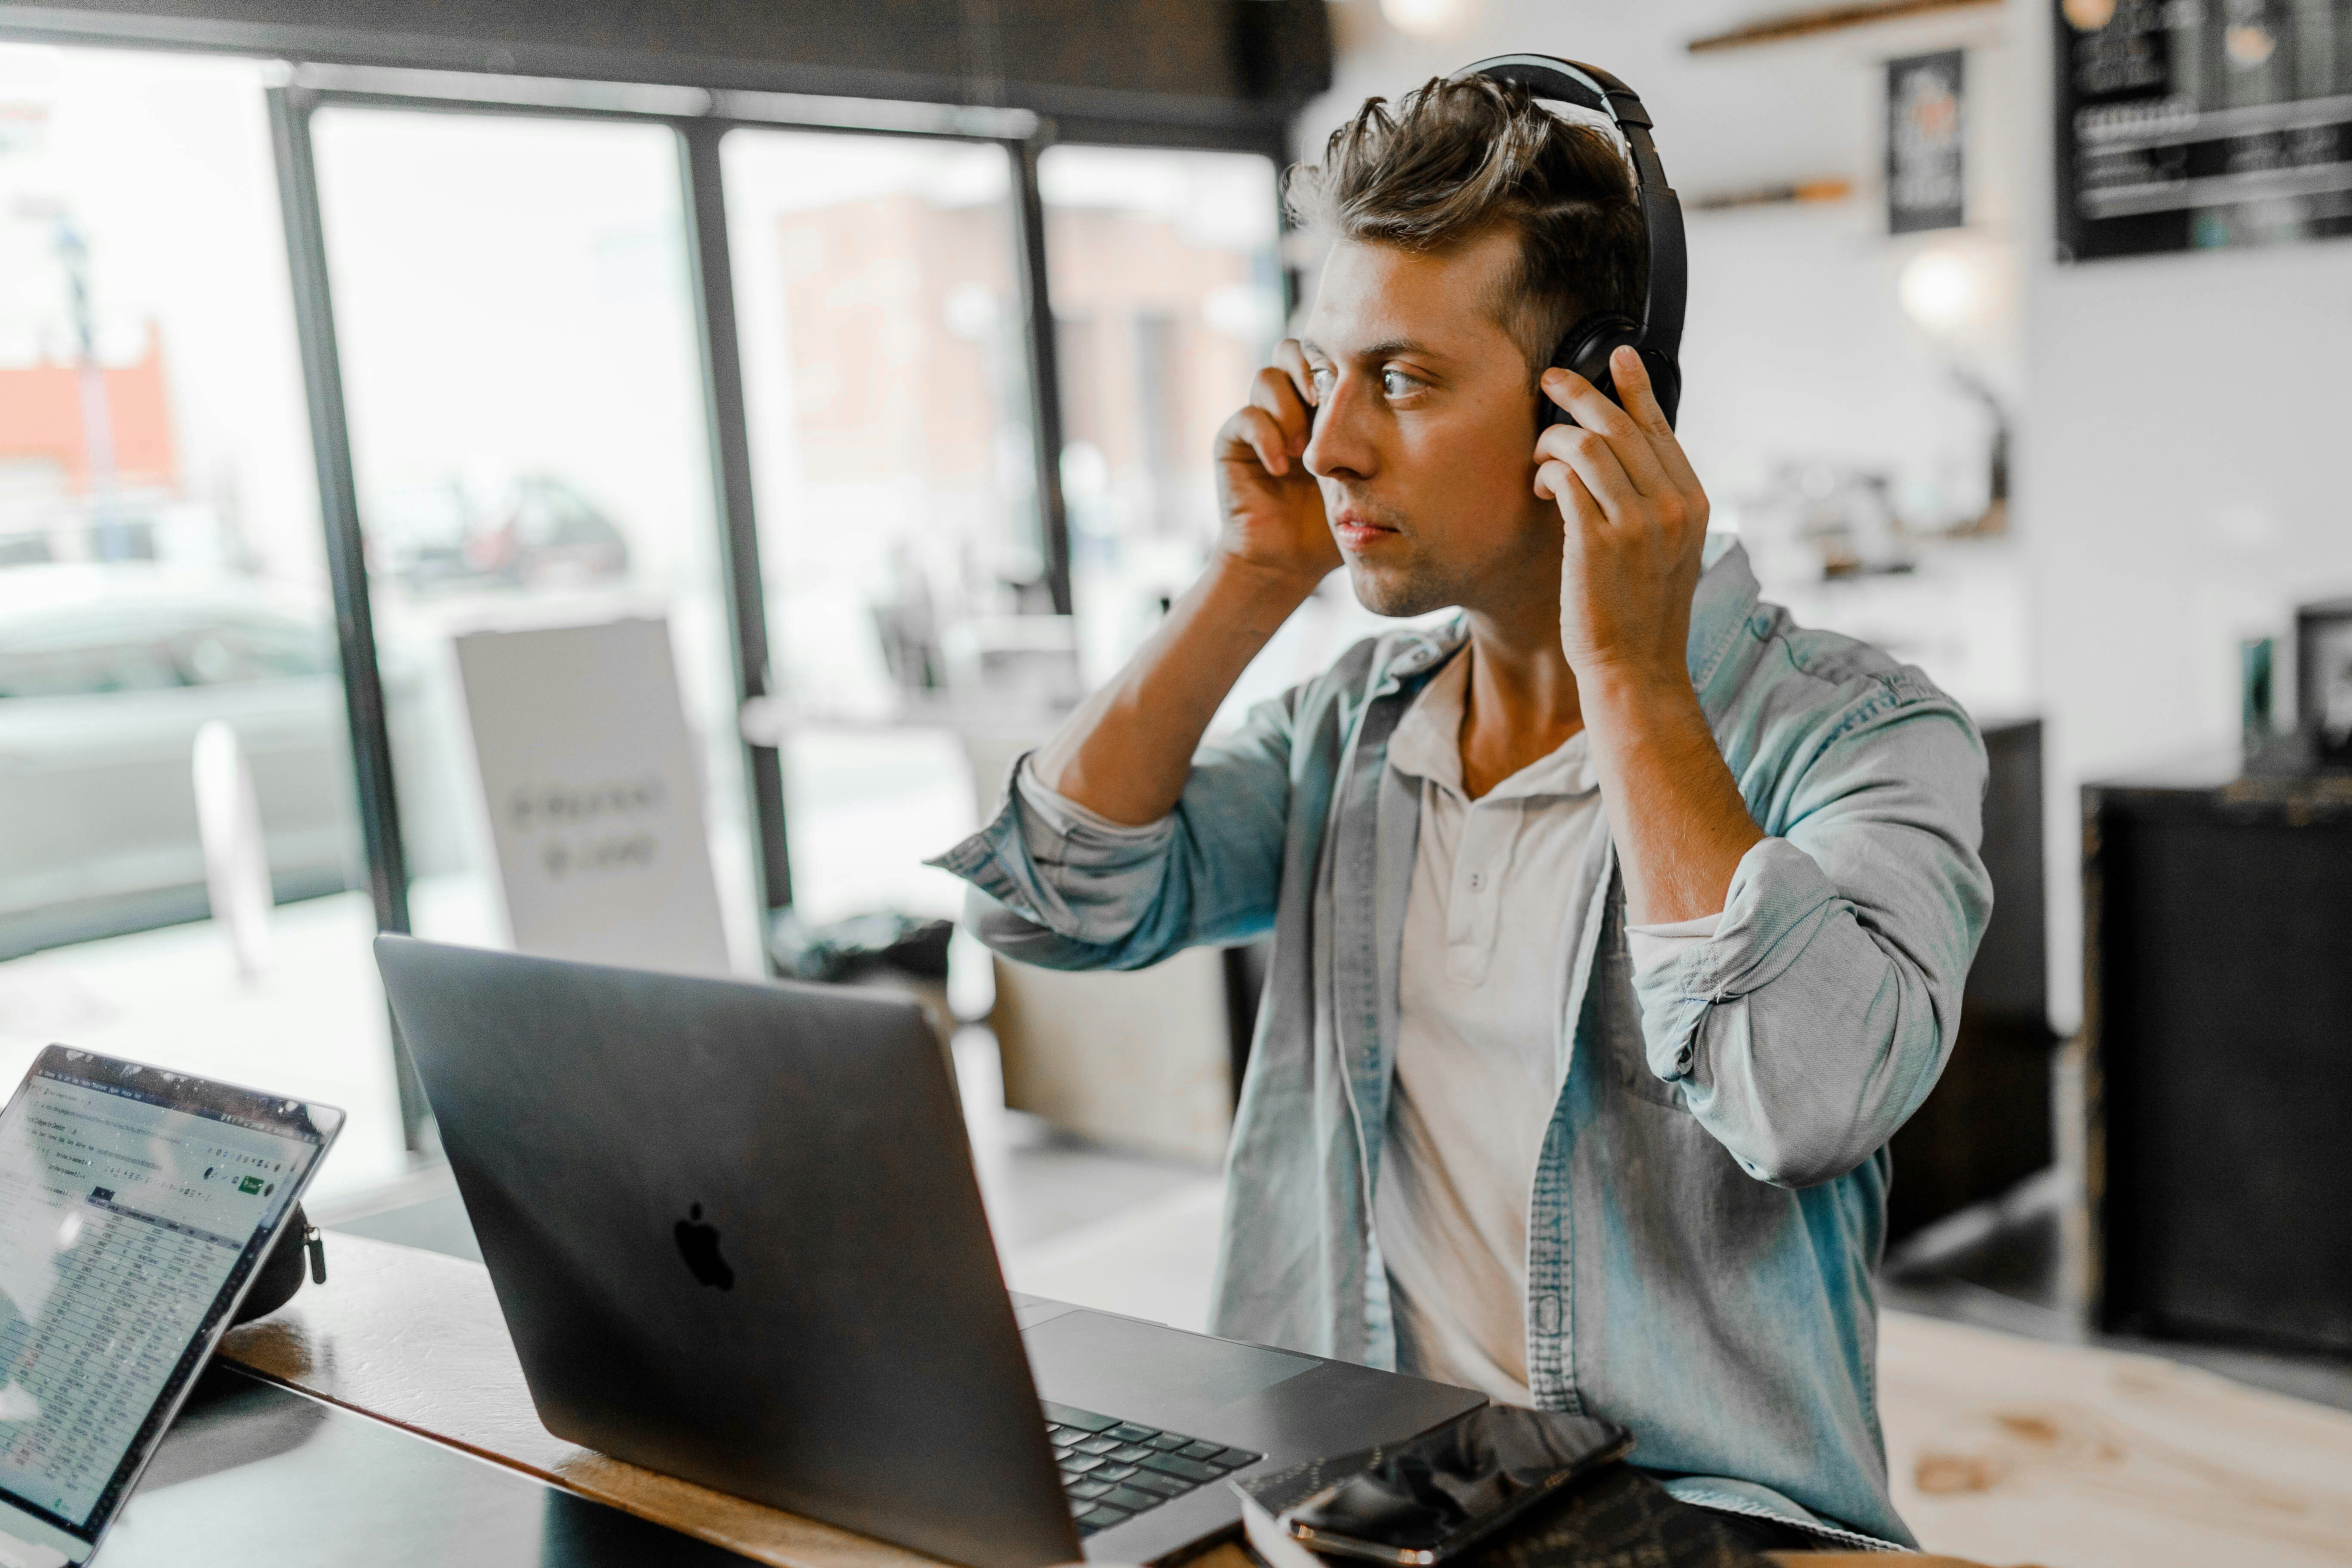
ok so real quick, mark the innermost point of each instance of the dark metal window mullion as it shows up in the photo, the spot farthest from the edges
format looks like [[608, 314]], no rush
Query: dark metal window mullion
[[731, 475], [1045, 365], [331, 448]]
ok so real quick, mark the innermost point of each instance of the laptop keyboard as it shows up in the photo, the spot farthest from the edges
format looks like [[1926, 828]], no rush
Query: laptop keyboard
[[1114, 1470]]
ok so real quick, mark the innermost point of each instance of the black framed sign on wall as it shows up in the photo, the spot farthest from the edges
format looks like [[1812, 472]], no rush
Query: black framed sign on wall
[[2200, 124], [1926, 134]]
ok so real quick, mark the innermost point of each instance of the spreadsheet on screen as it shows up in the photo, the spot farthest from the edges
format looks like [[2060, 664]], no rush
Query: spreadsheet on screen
[[121, 1219]]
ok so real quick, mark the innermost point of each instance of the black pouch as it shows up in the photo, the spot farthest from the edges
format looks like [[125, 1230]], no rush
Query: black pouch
[[280, 1274]]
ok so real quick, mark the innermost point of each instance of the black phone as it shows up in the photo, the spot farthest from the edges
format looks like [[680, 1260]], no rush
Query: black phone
[[1429, 1498]]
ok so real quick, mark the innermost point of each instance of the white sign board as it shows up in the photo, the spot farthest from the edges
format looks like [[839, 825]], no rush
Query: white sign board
[[588, 777]]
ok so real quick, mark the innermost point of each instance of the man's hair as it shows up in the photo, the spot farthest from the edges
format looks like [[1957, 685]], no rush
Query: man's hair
[[1457, 159]]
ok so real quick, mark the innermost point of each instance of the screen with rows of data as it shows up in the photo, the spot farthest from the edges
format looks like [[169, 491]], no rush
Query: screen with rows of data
[[129, 1199]]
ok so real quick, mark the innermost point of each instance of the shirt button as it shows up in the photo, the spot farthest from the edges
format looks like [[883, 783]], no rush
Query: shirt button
[[1477, 881], [1683, 1059]]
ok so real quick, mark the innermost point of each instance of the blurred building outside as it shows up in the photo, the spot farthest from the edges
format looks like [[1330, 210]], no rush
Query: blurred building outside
[[894, 458], [88, 468]]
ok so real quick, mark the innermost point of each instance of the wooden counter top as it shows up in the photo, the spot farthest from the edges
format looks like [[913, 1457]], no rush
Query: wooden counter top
[[415, 1339]]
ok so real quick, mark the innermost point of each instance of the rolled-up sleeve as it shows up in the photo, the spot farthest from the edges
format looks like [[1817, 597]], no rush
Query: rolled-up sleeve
[[1818, 1014], [1056, 885]]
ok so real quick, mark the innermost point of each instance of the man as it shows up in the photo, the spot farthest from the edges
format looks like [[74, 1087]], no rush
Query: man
[[1617, 924]]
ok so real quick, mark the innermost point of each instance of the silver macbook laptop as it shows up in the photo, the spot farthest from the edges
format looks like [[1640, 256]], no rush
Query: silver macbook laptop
[[736, 1234]]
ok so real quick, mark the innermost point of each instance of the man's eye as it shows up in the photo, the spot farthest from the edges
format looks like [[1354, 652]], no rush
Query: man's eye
[[1396, 384], [1319, 378]]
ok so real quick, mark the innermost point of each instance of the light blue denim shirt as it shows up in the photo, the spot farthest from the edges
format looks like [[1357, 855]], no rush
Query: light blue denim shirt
[[1711, 1195]]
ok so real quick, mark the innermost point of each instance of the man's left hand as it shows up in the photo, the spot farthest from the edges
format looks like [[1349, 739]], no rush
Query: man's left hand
[[1635, 524]]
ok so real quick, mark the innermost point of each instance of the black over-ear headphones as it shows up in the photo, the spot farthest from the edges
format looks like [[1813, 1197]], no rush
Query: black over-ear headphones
[[1657, 337]]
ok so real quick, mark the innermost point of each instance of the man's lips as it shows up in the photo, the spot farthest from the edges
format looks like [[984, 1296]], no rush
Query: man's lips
[[1356, 531]]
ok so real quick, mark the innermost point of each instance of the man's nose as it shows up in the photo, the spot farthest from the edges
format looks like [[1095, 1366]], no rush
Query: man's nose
[[1338, 446]]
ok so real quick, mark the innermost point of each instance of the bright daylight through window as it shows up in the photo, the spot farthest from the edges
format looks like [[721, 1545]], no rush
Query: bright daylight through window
[[888, 394], [162, 570], [892, 437], [1168, 296], [513, 317], [520, 368]]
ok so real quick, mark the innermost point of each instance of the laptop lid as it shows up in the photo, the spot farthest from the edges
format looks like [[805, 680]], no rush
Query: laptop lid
[[735, 1232], [135, 1205]]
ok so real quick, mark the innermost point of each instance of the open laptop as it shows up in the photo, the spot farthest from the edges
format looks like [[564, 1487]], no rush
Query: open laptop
[[736, 1233], [136, 1206]]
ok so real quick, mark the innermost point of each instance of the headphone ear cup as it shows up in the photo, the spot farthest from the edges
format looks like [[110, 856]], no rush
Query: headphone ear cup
[[1586, 350], [1665, 383]]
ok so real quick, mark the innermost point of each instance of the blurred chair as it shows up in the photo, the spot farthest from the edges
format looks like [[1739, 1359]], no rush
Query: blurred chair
[[1139, 1059]]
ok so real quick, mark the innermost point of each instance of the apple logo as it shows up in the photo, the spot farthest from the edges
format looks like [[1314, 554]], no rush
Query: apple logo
[[697, 1243]]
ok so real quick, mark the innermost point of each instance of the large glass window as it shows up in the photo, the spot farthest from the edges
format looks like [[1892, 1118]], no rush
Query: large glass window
[[514, 320], [513, 311], [161, 569], [1167, 298], [886, 379]]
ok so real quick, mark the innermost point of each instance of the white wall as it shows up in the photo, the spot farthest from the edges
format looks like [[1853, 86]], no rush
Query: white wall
[[2180, 477], [2185, 483]]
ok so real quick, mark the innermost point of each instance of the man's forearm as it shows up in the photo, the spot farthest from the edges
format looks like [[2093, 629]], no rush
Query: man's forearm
[[1674, 808], [1127, 751]]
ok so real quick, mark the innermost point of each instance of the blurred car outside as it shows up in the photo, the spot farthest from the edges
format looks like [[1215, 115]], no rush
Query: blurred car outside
[[107, 671], [138, 524], [532, 531]]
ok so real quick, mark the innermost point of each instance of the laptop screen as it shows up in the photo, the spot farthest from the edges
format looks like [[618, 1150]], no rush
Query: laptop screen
[[134, 1204]]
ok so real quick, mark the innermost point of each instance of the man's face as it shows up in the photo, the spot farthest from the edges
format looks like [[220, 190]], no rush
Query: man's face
[[1424, 429]]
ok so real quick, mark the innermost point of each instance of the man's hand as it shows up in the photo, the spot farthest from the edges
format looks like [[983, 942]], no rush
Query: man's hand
[[1635, 524], [1128, 750], [1271, 507]]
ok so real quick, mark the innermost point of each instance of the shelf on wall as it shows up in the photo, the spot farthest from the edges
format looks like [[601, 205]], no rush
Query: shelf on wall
[[1793, 24], [1825, 190]]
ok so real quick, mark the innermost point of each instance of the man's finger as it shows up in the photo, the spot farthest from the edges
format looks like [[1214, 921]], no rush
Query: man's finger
[[1274, 392], [1594, 460], [1254, 430], [1595, 413], [1556, 482], [1641, 394], [1291, 360]]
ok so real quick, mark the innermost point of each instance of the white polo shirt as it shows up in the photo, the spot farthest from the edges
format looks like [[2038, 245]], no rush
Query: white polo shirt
[[1500, 885]]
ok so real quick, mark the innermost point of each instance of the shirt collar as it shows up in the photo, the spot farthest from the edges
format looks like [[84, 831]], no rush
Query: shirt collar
[[1427, 742], [1727, 595], [1427, 745]]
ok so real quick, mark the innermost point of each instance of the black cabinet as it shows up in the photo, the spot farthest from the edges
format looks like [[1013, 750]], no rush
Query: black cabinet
[[2218, 1025]]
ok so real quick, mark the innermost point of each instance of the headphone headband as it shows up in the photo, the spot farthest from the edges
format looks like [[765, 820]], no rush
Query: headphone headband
[[1590, 86]]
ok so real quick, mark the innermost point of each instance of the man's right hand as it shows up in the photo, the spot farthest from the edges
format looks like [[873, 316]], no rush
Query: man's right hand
[[1270, 509], [1128, 750]]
